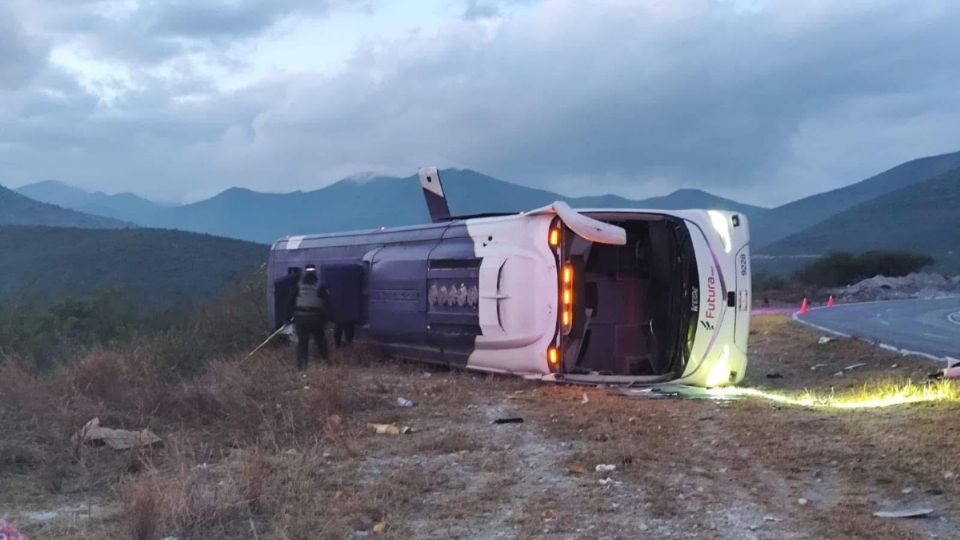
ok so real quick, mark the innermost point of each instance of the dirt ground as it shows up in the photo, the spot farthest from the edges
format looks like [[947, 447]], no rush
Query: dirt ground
[[746, 468]]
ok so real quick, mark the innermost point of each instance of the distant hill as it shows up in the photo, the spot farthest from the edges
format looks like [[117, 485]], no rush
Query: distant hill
[[678, 200], [123, 206], [922, 217], [790, 218], [357, 204], [157, 267], [16, 209]]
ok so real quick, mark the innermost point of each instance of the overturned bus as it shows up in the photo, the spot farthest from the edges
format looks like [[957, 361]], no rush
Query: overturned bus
[[614, 296]]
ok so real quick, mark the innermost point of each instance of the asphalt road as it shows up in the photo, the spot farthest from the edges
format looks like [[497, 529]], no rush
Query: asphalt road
[[917, 325]]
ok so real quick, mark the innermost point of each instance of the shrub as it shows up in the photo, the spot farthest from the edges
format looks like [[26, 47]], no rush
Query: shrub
[[233, 324], [768, 281], [178, 342], [45, 336], [842, 268]]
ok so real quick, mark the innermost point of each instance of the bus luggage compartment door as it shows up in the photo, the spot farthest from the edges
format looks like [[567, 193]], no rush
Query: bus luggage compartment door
[[397, 294], [345, 285]]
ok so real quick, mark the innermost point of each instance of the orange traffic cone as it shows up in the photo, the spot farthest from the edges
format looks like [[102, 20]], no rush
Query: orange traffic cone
[[830, 301], [803, 306]]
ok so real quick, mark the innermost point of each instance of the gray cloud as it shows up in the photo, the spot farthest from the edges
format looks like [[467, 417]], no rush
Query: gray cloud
[[480, 9], [21, 56], [222, 18], [635, 98], [155, 31], [716, 101]]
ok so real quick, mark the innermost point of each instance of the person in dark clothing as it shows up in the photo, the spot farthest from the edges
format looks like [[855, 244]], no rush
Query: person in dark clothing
[[310, 316], [343, 334], [285, 297]]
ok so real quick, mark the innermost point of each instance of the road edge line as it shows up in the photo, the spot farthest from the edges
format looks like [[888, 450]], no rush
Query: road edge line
[[948, 360]]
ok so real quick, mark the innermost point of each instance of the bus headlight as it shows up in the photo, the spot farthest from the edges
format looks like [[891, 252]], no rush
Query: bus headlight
[[722, 226], [719, 373]]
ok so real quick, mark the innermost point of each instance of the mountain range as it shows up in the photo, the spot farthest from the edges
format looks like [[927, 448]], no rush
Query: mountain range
[[910, 206], [793, 217], [348, 204], [921, 217], [17, 209], [121, 206]]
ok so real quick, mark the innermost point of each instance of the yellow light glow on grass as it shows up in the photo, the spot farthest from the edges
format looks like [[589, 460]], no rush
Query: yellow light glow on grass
[[719, 373], [878, 396]]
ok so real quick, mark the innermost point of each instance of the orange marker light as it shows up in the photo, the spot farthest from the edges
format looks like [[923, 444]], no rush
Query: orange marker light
[[566, 318], [568, 274], [553, 355], [567, 297], [554, 237]]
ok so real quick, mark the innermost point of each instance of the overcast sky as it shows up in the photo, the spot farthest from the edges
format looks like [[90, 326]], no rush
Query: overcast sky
[[762, 101]]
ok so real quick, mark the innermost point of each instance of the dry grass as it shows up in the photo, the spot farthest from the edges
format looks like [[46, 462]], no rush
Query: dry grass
[[250, 445], [252, 449], [715, 466], [793, 355]]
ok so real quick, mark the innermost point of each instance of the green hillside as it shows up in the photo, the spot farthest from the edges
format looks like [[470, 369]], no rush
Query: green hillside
[[16, 209], [921, 218], [156, 267]]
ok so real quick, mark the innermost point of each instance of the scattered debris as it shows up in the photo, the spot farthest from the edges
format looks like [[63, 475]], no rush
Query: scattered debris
[[404, 402], [824, 340], [952, 372], [509, 420], [584, 400], [802, 502], [774, 375], [577, 469], [548, 515], [605, 467], [855, 366], [906, 491], [389, 429], [379, 527], [903, 513], [838, 374], [118, 439], [770, 518], [339, 496], [817, 366], [949, 475], [9, 532]]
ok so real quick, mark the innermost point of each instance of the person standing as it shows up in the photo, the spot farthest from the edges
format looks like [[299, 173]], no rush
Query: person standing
[[310, 316], [343, 334]]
